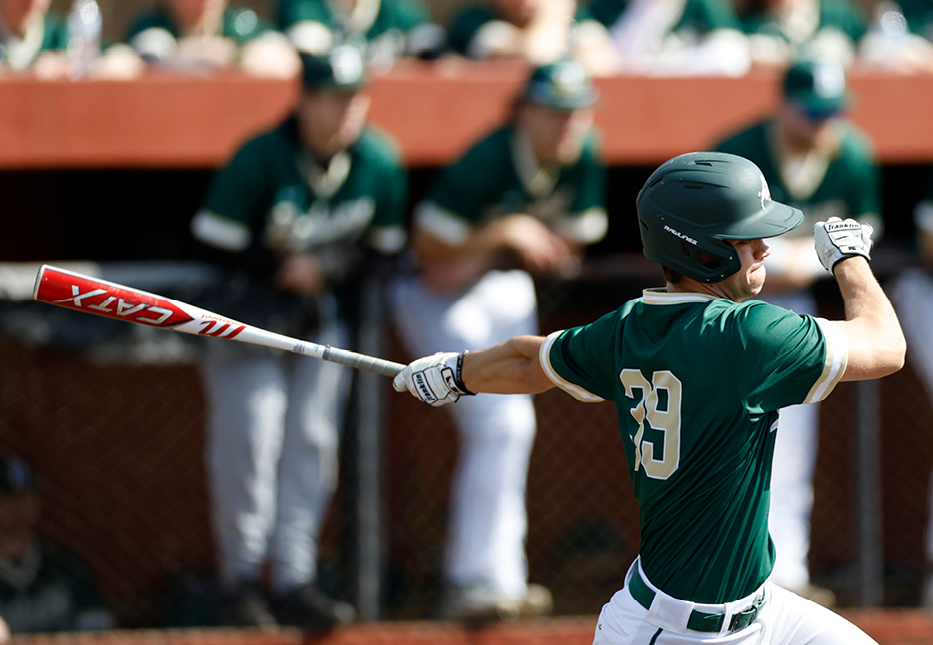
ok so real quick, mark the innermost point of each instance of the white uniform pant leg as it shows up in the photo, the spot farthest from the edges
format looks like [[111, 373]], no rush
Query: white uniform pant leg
[[795, 451], [912, 295], [488, 519], [246, 401], [308, 467]]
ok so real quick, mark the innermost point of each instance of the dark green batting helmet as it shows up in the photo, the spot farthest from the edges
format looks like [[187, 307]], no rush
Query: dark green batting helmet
[[695, 202]]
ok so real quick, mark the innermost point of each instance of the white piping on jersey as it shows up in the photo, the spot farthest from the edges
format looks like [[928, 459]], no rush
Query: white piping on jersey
[[442, 223], [837, 357], [573, 390], [388, 239], [660, 296], [220, 232]]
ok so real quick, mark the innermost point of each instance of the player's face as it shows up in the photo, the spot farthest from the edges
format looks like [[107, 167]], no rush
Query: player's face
[[330, 122], [747, 281], [519, 12], [556, 136], [808, 131], [190, 12]]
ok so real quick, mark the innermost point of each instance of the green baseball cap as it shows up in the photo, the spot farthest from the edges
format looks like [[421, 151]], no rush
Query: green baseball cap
[[818, 86], [562, 85], [340, 69]]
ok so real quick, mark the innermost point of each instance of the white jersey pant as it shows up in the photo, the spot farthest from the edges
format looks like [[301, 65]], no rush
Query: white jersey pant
[[795, 451], [784, 619], [487, 518], [274, 427], [912, 295]]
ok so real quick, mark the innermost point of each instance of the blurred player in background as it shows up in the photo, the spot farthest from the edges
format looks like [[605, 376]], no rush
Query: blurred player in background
[[521, 203], [698, 373], [537, 31], [816, 160], [385, 29], [207, 33], [43, 587], [296, 216]]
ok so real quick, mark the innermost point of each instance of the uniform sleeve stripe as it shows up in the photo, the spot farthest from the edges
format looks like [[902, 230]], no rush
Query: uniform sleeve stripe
[[837, 356], [575, 391], [586, 227], [442, 223], [220, 232]]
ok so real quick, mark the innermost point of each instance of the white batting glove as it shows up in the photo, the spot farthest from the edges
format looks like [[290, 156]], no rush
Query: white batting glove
[[836, 239], [433, 379]]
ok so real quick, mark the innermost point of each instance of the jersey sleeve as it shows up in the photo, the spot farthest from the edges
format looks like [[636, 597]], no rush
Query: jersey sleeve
[[579, 360], [587, 222], [386, 232], [783, 358]]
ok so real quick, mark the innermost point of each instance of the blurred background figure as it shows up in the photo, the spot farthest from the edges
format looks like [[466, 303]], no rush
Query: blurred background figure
[[675, 37], [782, 31], [202, 34], [43, 587], [386, 29], [899, 38], [814, 159], [521, 203], [36, 40], [912, 295], [538, 31], [297, 217]]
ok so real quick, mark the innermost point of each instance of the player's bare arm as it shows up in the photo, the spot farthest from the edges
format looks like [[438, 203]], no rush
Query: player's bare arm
[[871, 328]]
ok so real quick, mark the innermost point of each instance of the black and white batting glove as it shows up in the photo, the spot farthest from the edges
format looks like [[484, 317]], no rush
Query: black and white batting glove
[[836, 239], [434, 379]]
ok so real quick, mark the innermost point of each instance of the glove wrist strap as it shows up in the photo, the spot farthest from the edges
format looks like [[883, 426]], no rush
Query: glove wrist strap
[[458, 378]]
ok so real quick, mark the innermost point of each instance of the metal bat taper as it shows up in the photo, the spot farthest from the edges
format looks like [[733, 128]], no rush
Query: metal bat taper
[[92, 295]]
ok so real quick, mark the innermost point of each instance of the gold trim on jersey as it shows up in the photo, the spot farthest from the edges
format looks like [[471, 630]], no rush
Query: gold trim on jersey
[[837, 357], [572, 389]]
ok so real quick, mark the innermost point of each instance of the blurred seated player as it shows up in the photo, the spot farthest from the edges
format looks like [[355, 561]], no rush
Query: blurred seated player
[[900, 38], [538, 31], [297, 217], [522, 203], [207, 33], [676, 37], [782, 31], [43, 587], [34, 40], [386, 29]]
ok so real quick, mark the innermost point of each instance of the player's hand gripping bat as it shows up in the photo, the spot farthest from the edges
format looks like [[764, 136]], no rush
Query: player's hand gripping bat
[[95, 296]]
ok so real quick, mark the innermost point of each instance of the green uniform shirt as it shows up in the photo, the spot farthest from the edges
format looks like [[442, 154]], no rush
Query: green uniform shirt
[[834, 14], [697, 382], [240, 25], [850, 187], [271, 195], [468, 22], [498, 176], [699, 16], [397, 15]]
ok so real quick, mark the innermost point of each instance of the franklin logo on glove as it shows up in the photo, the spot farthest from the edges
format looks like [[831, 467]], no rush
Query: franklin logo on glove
[[836, 240]]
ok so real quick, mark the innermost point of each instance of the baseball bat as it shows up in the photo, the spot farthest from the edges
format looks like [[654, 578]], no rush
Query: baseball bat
[[92, 295]]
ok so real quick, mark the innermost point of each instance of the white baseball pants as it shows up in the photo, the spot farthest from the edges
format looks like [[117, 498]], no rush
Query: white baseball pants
[[274, 428], [488, 519], [784, 619]]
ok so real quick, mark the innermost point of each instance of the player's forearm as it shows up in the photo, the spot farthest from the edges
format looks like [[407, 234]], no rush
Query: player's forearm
[[511, 367], [872, 330]]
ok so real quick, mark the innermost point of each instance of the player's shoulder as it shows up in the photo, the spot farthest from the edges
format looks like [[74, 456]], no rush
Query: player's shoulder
[[747, 139], [856, 146], [487, 154], [378, 146]]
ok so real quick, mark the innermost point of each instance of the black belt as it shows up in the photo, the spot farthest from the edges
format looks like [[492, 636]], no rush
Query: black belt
[[700, 621]]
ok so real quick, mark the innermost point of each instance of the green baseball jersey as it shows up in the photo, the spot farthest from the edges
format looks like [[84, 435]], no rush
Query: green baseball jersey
[[850, 186], [498, 176], [240, 25], [386, 15], [840, 15], [469, 21], [698, 17], [697, 382]]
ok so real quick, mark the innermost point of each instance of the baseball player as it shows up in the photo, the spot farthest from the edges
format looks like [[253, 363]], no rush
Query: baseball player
[[520, 203], [697, 372], [816, 160], [292, 215]]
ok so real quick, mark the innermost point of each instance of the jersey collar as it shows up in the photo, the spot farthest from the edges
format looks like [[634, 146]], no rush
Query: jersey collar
[[660, 296]]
